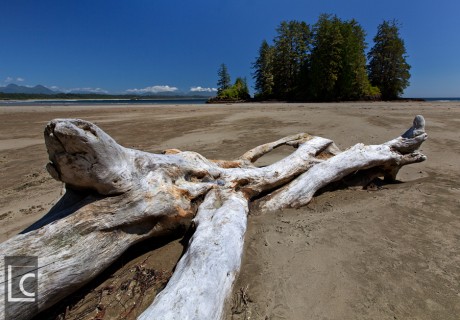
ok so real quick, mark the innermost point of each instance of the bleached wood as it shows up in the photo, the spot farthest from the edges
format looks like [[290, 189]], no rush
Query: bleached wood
[[117, 197], [390, 156], [204, 276]]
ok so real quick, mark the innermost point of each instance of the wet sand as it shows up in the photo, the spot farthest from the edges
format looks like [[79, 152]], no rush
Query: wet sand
[[391, 253]]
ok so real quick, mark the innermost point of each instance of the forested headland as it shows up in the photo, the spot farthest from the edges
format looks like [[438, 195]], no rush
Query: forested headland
[[326, 61]]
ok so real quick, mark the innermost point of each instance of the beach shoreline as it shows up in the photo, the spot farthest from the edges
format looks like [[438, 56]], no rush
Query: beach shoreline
[[350, 254]]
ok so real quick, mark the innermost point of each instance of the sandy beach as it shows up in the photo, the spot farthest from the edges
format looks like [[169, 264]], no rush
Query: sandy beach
[[389, 253]]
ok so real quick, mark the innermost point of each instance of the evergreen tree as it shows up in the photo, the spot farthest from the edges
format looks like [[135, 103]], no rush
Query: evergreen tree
[[263, 71], [352, 83], [238, 91], [241, 87], [224, 79], [338, 62], [291, 53], [326, 57], [388, 69]]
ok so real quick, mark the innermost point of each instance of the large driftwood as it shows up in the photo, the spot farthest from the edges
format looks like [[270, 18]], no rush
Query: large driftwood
[[116, 197]]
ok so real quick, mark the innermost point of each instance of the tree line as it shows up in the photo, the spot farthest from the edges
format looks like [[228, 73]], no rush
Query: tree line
[[326, 61]]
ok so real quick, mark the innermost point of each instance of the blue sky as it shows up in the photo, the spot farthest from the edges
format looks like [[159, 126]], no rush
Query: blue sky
[[175, 45]]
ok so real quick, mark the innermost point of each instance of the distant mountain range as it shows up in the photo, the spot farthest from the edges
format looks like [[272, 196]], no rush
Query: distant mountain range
[[39, 89], [14, 88]]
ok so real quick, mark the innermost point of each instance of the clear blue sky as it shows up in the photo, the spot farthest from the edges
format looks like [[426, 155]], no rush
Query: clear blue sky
[[162, 45]]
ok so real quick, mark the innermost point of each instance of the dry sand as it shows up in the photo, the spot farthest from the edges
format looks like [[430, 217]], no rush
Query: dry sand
[[350, 254]]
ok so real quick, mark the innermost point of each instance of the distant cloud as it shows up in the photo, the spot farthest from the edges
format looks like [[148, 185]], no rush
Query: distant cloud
[[78, 90], [11, 79], [91, 90], [153, 89], [201, 89]]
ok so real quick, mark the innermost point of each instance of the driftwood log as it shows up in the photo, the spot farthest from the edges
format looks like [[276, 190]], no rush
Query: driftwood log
[[116, 197]]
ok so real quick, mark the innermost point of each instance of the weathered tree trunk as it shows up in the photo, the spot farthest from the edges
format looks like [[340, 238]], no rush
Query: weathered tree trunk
[[117, 197]]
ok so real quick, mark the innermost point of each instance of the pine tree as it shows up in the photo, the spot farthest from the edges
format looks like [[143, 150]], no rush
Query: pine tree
[[326, 58], [263, 71], [241, 87], [224, 79], [388, 69], [291, 53], [338, 62], [352, 83]]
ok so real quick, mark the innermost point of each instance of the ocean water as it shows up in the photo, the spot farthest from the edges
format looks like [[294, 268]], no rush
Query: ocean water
[[442, 99], [99, 102]]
